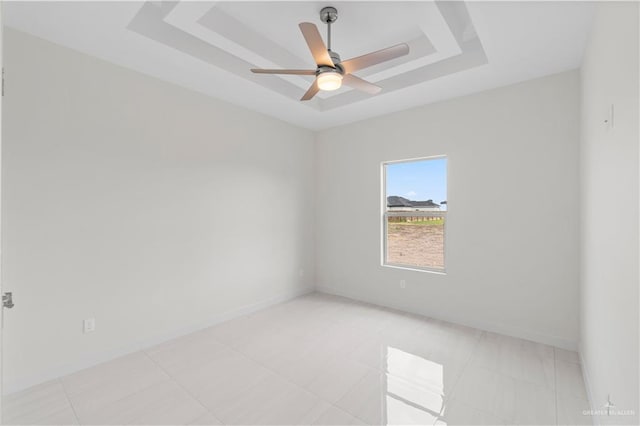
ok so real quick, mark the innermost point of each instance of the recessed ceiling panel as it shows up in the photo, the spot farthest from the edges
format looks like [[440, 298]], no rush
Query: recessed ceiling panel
[[237, 36], [457, 48]]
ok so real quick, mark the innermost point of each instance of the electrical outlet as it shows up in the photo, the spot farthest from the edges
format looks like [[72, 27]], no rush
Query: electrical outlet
[[403, 284], [89, 325]]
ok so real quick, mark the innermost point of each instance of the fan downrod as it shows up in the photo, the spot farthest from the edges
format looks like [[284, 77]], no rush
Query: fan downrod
[[329, 15]]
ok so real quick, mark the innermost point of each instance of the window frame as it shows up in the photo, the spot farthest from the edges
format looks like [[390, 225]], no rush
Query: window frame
[[385, 214]]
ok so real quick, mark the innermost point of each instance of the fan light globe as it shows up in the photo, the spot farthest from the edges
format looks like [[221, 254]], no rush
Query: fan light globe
[[329, 80]]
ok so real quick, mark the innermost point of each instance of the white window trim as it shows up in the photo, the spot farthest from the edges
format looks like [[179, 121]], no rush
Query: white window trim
[[385, 214]]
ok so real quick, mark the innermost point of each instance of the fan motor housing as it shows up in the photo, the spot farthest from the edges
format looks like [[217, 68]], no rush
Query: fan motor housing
[[324, 68], [335, 57]]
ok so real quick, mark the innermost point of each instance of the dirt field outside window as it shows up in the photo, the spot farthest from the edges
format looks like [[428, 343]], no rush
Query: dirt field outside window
[[419, 243]]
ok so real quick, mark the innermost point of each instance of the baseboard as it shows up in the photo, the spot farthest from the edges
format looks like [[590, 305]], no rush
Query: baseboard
[[557, 341], [587, 384], [93, 359]]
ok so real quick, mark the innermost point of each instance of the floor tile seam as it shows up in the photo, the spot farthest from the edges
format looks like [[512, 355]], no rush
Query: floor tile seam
[[512, 421], [177, 383], [519, 379], [452, 396], [322, 399], [489, 413], [66, 394], [270, 370], [462, 370], [507, 420], [37, 420], [17, 405], [73, 394], [362, 419], [39, 415], [143, 389], [344, 411]]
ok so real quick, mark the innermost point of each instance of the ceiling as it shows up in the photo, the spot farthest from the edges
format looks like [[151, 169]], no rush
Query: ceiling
[[456, 48]]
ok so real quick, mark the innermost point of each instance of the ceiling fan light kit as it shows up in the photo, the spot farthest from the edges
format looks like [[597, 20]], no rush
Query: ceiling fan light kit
[[331, 72], [329, 80]]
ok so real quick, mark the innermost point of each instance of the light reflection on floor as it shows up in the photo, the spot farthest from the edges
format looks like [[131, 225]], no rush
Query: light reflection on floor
[[414, 388]]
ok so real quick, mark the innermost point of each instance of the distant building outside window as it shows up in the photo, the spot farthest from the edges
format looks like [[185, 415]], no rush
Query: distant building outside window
[[415, 213]]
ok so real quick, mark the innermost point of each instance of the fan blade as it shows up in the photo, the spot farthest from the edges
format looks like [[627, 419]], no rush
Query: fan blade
[[311, 92], [360, 84], [316, 45], [296, 72], [374, 58]]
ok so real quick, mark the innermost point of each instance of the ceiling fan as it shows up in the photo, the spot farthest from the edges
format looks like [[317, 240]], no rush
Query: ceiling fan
[[331, 72]]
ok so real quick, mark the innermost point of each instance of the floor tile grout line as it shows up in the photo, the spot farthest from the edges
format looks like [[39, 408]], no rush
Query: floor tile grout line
[[144, 388], [66, 394], [469, 361], [462, 371], [233, 349], [466, 363], [282, 377], [174, 380], [40, 416], [520, 379]]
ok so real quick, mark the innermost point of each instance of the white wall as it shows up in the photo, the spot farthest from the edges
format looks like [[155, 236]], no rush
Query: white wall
[[609, 176], [151, 208], [512, 233]]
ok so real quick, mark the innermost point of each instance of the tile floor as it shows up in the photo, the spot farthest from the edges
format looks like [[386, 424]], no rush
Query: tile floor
[[320, 359]]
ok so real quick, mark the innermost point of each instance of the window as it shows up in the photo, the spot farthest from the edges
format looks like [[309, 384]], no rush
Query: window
[[415, 213]]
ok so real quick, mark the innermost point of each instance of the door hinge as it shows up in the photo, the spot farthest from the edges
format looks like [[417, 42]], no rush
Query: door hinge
[[7, 300]]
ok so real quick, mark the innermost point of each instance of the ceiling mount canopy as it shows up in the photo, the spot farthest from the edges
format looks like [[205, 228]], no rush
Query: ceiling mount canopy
[[331, 72]]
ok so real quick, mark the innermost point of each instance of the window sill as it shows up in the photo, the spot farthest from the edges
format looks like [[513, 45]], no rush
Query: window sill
[[416, 268]]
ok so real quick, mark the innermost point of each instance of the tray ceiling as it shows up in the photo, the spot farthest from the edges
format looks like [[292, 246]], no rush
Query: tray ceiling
[[456, 47]]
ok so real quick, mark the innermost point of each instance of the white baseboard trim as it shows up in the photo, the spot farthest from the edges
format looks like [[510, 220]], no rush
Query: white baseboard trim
[[93, 359], [587, 385], [557, 341]]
